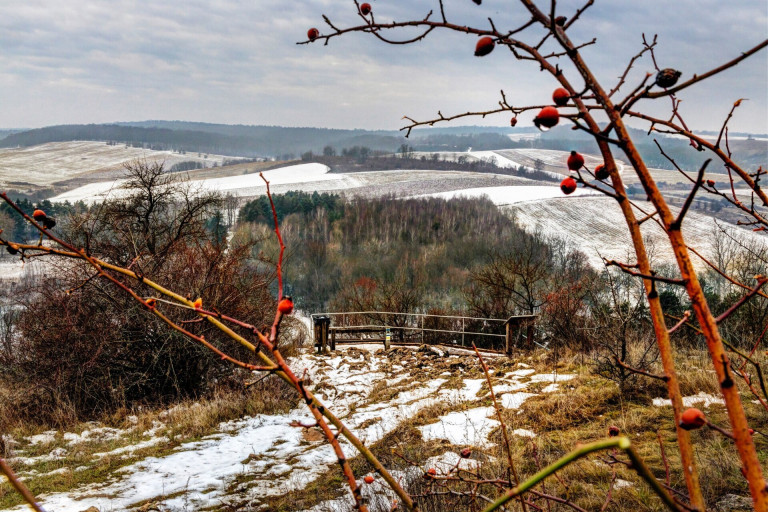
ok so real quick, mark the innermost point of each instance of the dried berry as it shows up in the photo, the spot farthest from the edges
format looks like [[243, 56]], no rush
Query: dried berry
[[39, 215], [692, 419], [546, 118], [667, 77], [513, 121], [560, 21], [601, 172], [198, 304], [431, 472], [11, 250], [313, 34], [365, 9], [568, 185], [560, 96], [285, 306], [49, 222], [484, 46], [465, 453], [613, 431], [575, 161]]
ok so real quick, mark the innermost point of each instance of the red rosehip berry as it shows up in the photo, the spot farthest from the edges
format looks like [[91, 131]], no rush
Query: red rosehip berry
[[513, 121], [751, 431], [692, 419], [198, 304], [560, 96], [465, 453], [368, 479], [711, 183], [285, 306], [575, 161], [484, 46], [613, 431], [39, 215], [568, 185], [313, 34], [365, 9], [601, 172], [546, 118], [431, 472]]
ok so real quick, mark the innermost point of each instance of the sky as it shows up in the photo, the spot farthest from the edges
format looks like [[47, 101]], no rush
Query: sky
[[237, 62]]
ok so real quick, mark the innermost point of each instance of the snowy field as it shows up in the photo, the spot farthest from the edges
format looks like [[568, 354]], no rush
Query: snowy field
[[278, 457], [596, 226], [503, 196], [310, 177], [57, 161]]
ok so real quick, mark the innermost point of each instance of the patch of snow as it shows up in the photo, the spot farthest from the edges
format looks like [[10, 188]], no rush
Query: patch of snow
[[551, 377], [521, 432], [47, 437], [515, 400], [702, 398], [132, 448], [471, 427], [512, 194], [520, 373], [550, 388], [620, 484]]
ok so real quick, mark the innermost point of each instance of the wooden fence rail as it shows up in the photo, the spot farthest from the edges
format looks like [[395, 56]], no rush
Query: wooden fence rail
[[502, 334]]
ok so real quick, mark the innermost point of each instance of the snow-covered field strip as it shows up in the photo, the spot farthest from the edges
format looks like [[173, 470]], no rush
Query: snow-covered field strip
[[56, 161], [312, 176], [277, 457], [595, 225], [512, 195]]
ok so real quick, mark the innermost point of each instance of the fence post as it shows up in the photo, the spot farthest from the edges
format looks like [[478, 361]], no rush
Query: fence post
[[387, 336], [462, 331], [508, 337], [422, 329]]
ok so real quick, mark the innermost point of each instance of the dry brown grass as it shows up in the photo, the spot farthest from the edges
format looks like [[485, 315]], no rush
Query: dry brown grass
[[186, 421], [581, 411]]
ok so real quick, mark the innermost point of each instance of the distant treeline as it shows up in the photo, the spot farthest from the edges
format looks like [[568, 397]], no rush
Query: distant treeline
[[362, 159], [288, 143]]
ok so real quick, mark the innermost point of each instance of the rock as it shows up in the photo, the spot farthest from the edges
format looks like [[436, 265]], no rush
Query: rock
[[733, 503]]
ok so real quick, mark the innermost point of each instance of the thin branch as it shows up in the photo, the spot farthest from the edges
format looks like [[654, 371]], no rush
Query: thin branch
[[688, 200]]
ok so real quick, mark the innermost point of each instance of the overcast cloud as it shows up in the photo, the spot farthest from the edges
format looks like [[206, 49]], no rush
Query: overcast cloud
[[236, 62]]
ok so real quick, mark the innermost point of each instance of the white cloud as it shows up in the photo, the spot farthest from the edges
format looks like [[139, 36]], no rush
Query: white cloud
[[232, 61]]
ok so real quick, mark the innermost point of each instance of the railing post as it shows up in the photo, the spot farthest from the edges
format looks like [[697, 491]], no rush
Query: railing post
[[508, 338], [462, 331], [422, 329]]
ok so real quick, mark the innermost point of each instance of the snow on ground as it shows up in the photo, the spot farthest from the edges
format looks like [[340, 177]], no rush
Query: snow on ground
[[596, 226], [56, 161], [310, 176], [503, 196], [701, 399], [277, 457], [470, 427]]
